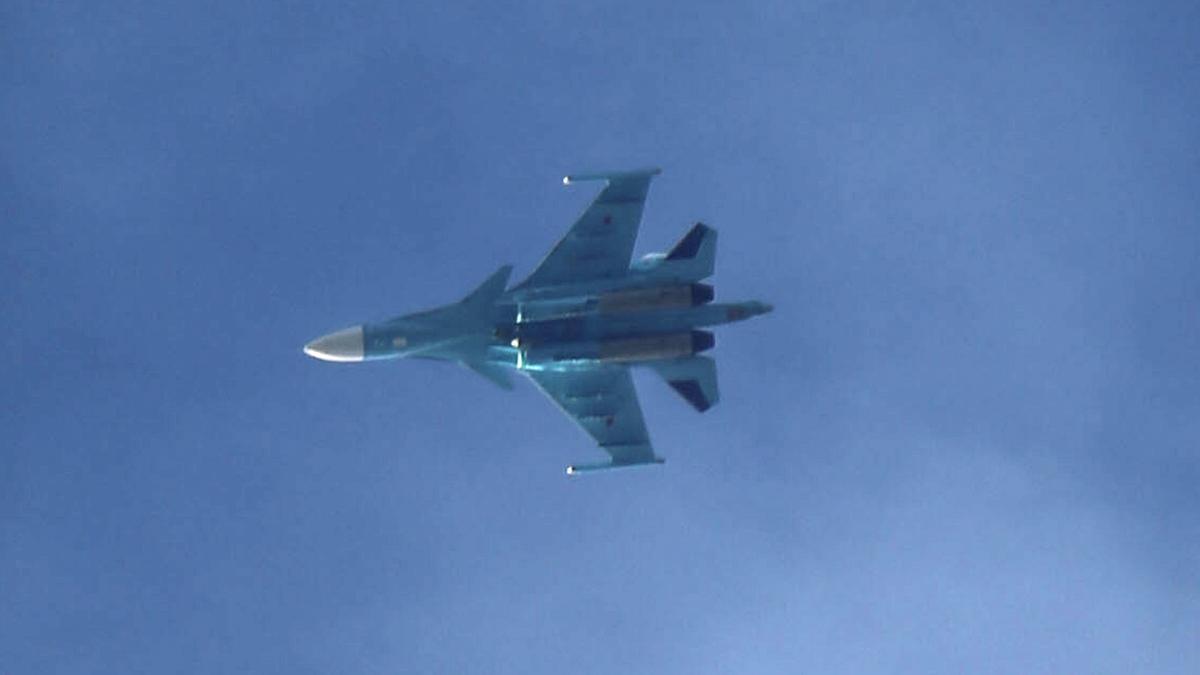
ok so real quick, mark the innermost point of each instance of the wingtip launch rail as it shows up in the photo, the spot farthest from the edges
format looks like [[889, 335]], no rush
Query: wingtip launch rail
[[610, 175]]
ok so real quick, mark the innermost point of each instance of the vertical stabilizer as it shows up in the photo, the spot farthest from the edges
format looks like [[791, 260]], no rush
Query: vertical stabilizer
[[696, 254]]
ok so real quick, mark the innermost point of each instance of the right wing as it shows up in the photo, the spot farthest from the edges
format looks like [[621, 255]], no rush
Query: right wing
[[603, 401], [599, 244]]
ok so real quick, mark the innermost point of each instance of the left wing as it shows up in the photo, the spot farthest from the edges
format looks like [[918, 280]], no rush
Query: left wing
[[603, 401], [600, 243]]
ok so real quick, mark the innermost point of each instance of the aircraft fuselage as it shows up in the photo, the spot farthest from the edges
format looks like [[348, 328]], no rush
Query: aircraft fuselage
[[565, 333], [577, 323]]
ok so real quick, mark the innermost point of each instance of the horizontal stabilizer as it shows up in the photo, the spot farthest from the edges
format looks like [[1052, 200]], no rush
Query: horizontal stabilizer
[[694, 378]]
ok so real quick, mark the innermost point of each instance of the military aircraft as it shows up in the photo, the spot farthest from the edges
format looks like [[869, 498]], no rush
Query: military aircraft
[[579, 322]]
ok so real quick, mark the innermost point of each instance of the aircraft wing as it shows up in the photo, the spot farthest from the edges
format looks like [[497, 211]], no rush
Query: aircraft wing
[[604, 402], [599, 244]]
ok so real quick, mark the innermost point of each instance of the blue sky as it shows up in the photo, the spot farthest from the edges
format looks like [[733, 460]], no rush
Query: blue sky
[[966, 440]]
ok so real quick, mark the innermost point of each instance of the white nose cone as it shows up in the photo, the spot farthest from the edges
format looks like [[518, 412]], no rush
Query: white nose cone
[[343, 346]]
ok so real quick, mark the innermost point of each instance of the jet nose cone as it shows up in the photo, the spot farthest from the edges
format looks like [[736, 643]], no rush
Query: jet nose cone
[[342, 346]]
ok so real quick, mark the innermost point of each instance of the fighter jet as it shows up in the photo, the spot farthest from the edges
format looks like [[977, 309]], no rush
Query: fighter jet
[[579, 322]]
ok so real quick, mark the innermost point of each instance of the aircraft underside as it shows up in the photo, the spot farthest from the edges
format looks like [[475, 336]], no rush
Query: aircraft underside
[[578, 323]]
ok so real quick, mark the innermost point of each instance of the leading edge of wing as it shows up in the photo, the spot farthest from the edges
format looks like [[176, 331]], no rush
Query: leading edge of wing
[[599, 244]]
